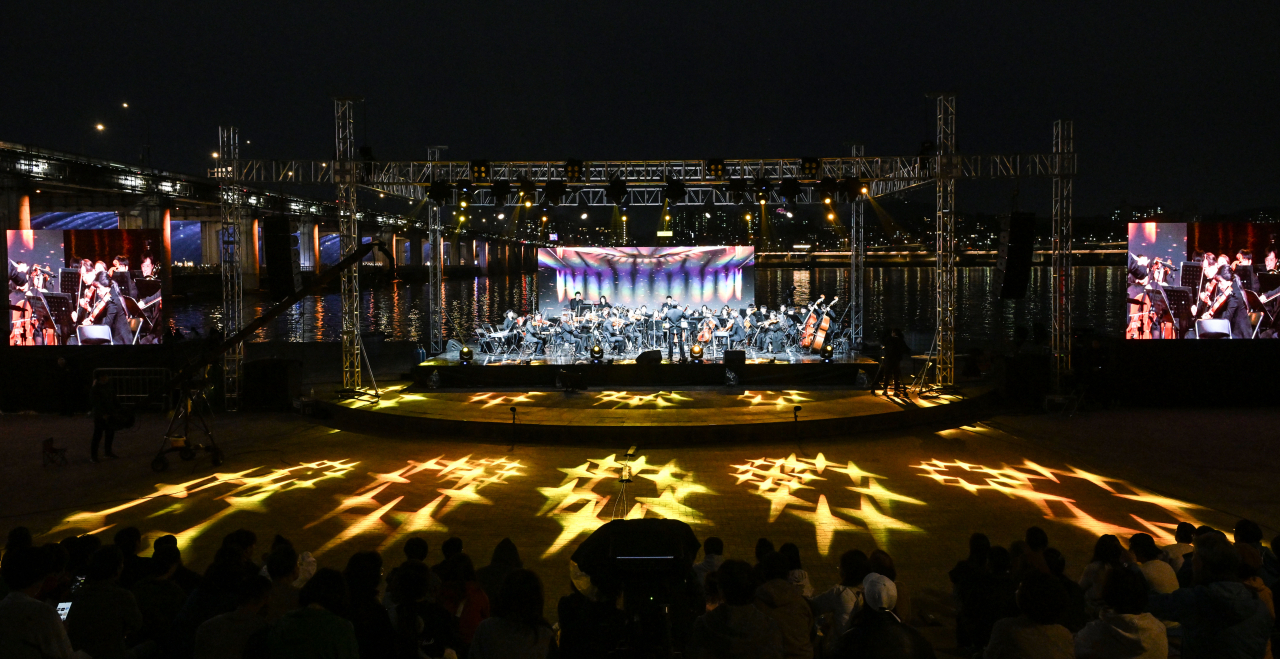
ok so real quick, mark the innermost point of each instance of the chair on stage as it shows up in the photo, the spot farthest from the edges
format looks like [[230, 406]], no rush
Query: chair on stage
[[1258, 310], [138, 321], [93, 335], [488, 344], [1213, 328], [50, 455]]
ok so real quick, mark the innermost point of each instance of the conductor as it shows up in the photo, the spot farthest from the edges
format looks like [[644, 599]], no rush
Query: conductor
[[675, 316]]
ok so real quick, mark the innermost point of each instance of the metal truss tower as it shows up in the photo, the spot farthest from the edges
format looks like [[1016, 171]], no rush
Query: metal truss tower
[[946, 239], [857, 264], [435, 280], [345, 175], [1062, 288], [232, 206]]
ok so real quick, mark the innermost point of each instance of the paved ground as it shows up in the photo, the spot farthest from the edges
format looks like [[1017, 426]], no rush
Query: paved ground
[[917, 495]]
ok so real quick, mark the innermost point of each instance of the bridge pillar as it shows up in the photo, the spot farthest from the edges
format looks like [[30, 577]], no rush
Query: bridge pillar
[[250, 262], [15, 204], [415, 250], [308, 244]]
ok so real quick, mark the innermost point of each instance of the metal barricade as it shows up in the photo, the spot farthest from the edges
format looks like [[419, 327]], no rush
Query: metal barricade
[[140, 387]]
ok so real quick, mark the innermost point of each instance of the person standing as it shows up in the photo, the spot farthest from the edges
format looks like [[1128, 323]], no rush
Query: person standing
[[675, 318], [895, 348], [103, 401]]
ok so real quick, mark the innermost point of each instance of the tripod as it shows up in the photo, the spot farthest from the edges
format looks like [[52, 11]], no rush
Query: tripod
[[193, 408]]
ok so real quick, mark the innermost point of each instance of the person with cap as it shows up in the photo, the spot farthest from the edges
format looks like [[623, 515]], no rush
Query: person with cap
[[876, 633]]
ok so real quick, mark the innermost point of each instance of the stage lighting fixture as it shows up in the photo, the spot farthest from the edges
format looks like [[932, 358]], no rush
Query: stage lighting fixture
[[827, 353], [440, 192], [789, 189], [597, 353], [810, 168], [715, 168], [696, 353], [828, 187], [479, 170], [674, 191], [761, 187], [501, 190], [528, 203], [554, 192], [831, 216], [573, 170], [465, 355], [738, 190], [584, 216], [616, 191], [502, 216]]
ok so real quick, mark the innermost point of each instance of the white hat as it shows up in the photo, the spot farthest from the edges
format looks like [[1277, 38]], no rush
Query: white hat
[[879, 592]]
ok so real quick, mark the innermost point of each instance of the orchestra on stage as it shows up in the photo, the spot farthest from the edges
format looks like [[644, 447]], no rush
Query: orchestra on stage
[[93, 303], [672, 327], [1211, 296]]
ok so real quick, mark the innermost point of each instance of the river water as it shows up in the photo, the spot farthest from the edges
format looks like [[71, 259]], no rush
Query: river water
[[896, 297]]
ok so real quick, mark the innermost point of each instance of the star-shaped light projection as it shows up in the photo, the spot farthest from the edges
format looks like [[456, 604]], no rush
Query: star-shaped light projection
[[777, 479], [779, 399], [457, 482], [243, 491], [1024, 481], [659, 400], [577, 505], [490, 399]]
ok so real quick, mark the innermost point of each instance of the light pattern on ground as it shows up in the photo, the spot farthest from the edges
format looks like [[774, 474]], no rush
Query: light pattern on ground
[[1037, 484], [249, 491], [777, 479], [577, 505], [489, 399], [780, 400], [657, 400], [463, 479]]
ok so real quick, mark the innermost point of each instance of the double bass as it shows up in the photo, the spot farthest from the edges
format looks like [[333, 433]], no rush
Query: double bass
[[810, 323], [706, 329], [824, 326]]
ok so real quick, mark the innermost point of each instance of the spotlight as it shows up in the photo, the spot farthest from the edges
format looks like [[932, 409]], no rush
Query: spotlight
[[502, 216], [809, 168], [789, 214], [831, 216], [715, 168], [761, 187], [597, 353], [708, 215], [674, 191], [501, 190], [554, 191], [584, 216], [440, 192], [465, 355], [479, 170], [573, 170], [464, 193], [528, 203], [527, 188], [616, 191], [789, 189], [696, 353], [827, 353], [738, 190]]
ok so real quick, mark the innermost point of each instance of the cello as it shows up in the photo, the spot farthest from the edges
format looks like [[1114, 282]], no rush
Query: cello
[[806, 332], [824, 325]]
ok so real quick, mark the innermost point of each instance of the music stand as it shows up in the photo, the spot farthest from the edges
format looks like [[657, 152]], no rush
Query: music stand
[[69, 281], [1190, 272], [146, 287], [1180, 299], [55, 308], [1256, 306], [1268, 282]]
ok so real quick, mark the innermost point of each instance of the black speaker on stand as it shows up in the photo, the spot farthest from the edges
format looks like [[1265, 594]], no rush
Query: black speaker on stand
[[1013, 258], [281, 247]]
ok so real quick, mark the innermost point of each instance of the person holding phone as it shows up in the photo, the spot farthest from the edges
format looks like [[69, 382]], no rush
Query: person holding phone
[[25, 621]]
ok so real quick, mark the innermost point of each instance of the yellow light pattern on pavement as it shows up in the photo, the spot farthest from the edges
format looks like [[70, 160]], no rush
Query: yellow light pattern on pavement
[[659, 400], [780, 400]]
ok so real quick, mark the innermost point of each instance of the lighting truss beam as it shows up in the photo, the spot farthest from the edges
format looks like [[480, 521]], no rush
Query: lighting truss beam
[[345, 178], [1062, 283], [232, 200], [946, 275]]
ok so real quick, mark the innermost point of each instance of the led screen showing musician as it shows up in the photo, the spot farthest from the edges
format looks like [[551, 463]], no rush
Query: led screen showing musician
[[1211, 280], [635, 276], [85, 287]]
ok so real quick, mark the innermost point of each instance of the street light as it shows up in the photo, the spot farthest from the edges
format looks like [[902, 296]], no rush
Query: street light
[[100, 128]]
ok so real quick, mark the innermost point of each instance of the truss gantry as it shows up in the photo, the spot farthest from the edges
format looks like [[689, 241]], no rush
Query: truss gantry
[[1062, 283], [345, 178], [231, 235]]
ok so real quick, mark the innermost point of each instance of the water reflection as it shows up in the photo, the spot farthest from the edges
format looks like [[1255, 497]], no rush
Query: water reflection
[[896, 297]]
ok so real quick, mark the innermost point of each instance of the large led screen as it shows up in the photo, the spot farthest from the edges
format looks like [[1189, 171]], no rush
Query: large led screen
[[85, 287], [1212, 280], [635, 276]]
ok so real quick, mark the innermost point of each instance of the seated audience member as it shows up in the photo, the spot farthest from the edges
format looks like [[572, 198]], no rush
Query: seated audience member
[[461, 594], [712, 557], [184, 576], [1107, 552], [282, 569], [451, 547], [837, 606], [374, 632], [1160, 577], [1124, 630], [422, 626], [1032, 557], [316, 629], [796, 573], [591, 624], [966, 584], [129, 540], [1186, 573], [779, 599], [28, 625], [1247, 532], [735, 629], [998, 594], [1034, 633], [1073, 616], [517, 629], [159, 597], [1250, 567], [102, 613], [1174, 553], [505, 560], [882, 563], [1220, 616], [876, 632], [415, 552], [240, 633]]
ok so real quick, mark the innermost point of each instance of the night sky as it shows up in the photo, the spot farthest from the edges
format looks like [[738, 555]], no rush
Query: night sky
[[1175, 103]]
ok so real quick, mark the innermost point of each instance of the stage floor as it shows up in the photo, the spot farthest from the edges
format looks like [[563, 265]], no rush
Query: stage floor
[[667, 416]]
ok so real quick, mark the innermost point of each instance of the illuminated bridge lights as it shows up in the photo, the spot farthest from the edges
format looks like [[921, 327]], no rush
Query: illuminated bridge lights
[[776, 480], [1026, 480]]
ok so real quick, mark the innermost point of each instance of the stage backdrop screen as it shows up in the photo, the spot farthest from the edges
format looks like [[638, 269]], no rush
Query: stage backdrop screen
[[1168, 301], [86, 286], [632, 276]]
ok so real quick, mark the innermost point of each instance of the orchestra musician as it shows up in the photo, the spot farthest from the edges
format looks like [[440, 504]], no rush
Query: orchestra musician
[[510, 325], [105, 306], [772, 332], [737, 328], [1271, 263], [614, 327], [1230, 304], [124, 279], [530, 333], [1243, 267], [18, 279], [576, 304], [569, 334], [604, 303], [668, 304]]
